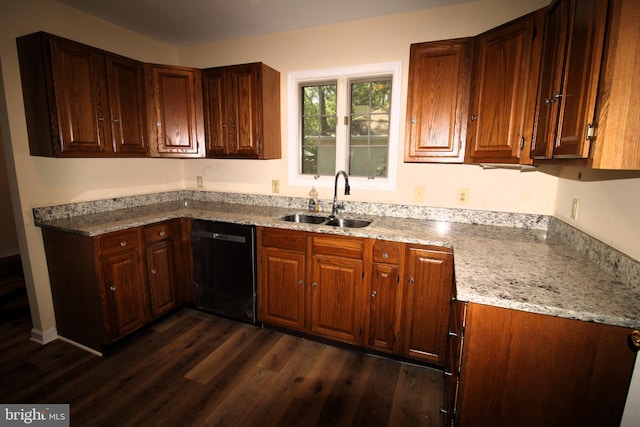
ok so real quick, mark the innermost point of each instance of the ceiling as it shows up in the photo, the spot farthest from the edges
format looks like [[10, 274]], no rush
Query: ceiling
[[189, 22]]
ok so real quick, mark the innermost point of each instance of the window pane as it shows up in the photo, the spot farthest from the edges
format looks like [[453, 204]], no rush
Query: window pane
[[369, 129], [318, 129]]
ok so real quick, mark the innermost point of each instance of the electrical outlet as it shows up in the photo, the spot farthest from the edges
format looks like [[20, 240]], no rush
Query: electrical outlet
[[275, 186], [463, 197], [199, 181], [574, 209], [418, 194]]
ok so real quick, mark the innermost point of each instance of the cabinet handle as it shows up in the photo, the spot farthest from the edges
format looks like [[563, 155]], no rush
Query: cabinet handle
[[224, 126], [153, 271], [412, 280], [116, 120], [549, 101], [385, 255], [414, 121], [474, 117], [300, 282], [635, 338], [233, 125], [373, 294], [158, 124], [123, 243], [314, 284], [112, 288], [101, 119], [162, 233]]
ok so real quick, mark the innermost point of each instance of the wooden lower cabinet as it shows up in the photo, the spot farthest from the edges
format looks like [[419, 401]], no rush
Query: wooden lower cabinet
[[358, 291], [312, 282], [101, 291], [428, 281], [527, 369], [281, 277]]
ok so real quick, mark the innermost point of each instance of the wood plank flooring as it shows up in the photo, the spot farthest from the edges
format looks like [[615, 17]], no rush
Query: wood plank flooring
[[196, 369]]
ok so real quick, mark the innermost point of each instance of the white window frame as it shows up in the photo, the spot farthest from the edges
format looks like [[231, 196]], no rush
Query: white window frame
[[342, 74]]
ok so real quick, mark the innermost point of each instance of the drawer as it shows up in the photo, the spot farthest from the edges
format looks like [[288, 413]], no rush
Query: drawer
[[119, 240], [387, 252], [350, 247], [283, 239], [162, 231]]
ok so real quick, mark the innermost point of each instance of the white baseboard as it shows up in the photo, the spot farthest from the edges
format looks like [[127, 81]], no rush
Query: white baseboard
[[83, 347], [44, 337]]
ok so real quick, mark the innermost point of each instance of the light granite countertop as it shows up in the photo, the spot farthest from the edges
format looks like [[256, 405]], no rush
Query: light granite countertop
[[508, 267]]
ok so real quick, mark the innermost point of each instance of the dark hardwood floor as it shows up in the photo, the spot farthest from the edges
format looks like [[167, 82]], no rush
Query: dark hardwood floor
[[193, 369]]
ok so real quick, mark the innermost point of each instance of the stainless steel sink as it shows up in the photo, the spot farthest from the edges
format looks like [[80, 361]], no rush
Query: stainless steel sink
[[348, 222], [323, 220], [307, 219]]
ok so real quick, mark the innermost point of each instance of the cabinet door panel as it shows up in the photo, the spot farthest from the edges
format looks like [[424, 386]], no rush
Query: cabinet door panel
[[439, 81], [335, 298], [281, 288], [215, 112], [500, 92], [583, 57], [125, 292], [126, 99], [245, 132], [161, 273], [428, 292], [385, 302], [176, 102], [80, 97]]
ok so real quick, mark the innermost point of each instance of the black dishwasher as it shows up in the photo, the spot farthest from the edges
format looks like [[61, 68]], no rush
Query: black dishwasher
[[225, 269]]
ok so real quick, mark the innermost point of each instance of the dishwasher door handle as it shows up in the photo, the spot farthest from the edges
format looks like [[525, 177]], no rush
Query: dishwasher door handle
[[220, 236]]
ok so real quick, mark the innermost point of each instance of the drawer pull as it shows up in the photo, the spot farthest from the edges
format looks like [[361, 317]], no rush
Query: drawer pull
[[635, 338], [374, 293], [123, 243], [385, 255], [162, 233], [112, 288], [412, 280], [153, 271], [300, 282]]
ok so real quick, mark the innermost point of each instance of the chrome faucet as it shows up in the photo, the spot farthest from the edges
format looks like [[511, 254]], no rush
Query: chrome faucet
[[347, 191]]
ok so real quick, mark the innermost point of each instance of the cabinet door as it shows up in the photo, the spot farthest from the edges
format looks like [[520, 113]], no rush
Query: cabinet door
[[429, 277], [215, 112], [438, 100], [501, 92], [162, 278], [336, 290], [526, 369], [175, 103], [125, 292], [125, 80], [243, 113], [79, 86], [574, 39], [281, 298], [384, 306]]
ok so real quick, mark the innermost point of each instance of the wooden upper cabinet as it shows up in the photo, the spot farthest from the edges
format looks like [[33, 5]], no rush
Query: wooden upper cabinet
[[566, 100], [174, 103], [125, 79], [505, 74], [616, 144], [439, 82], [242, 111], [80, 101]]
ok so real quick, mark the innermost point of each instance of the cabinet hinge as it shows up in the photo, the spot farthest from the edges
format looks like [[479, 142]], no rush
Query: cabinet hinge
[[590, 132]]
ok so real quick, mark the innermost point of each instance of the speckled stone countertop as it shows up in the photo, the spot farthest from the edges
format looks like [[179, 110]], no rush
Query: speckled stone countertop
[[517, 268]]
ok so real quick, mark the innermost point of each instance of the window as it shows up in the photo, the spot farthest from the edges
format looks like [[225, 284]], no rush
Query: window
[[344, 119]]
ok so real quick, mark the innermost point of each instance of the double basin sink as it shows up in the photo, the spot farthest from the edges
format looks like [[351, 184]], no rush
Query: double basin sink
[[326, 220]]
